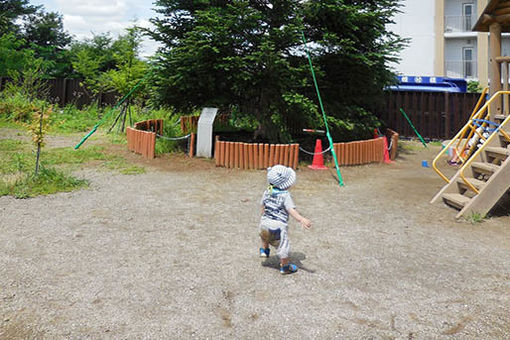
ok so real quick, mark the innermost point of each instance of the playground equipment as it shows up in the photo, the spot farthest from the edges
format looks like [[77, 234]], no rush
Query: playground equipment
[[485, 174], [483, 144]]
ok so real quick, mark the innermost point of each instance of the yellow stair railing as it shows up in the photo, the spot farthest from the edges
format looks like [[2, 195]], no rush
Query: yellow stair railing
[[493, 135], [465, 133]]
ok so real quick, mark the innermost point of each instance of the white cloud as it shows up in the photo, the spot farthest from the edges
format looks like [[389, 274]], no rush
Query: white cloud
[[84, 18], [94, 9]]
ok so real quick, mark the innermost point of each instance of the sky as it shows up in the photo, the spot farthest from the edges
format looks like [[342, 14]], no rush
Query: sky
[[82, 18]]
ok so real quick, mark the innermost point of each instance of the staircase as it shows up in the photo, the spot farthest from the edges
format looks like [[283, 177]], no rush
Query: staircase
[[485, 174]]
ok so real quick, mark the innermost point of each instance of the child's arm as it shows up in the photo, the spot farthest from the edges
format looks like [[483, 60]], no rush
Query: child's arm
[[305, 223]]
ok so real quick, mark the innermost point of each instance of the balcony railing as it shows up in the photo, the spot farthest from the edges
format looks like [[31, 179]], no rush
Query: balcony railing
[[461, 69], [459, 23]]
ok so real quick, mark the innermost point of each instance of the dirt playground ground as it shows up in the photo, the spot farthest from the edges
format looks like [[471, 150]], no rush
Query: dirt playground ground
[[173, 254]]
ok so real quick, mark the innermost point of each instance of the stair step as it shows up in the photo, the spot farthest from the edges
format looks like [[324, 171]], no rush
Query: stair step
[[500, 117], [478, 184], [497, 152], [485, 168], [456, 200]]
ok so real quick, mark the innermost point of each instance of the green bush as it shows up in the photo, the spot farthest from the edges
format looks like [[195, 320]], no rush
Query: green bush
[[16, 107]]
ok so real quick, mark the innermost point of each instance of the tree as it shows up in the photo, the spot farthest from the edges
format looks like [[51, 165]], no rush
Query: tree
[[90, 59], [129, 70], [10, 11], [45, 34], [12, 56], [249, 55]]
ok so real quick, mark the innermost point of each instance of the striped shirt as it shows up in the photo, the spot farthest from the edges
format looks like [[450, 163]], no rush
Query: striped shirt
[[276, 205]]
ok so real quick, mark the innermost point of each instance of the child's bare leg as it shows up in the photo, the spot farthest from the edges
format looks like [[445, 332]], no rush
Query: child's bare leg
[[284, 261]]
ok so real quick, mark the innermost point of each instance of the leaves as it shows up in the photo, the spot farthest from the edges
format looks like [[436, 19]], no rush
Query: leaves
[[248, 55], [38, 127]]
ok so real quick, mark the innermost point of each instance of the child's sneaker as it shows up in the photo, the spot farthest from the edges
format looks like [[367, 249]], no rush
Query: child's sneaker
[[288, 269], [264, 252]]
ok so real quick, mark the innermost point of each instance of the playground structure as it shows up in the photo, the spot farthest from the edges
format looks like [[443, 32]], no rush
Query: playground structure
[[483, 144]]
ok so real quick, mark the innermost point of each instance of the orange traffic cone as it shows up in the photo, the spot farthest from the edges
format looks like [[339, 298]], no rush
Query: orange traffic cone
[[387, 159], [318, 159]]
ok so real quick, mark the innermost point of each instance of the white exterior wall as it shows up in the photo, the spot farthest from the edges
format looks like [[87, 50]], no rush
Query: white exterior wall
[[453, 50], [417, 23], [505, 46]]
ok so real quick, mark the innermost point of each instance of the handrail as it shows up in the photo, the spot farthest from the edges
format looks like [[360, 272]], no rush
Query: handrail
[[482, 147], [459, 136]]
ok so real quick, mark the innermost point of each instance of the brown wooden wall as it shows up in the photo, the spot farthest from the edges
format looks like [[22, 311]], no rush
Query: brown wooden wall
[[63, 91], [255, 156], [141, 142], [360, 152], [436, 115]]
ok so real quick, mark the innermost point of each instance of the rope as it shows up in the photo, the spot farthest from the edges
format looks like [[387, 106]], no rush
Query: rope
[[315, 153], [486, 128], [340, 179], [391, 144], [174, 138]]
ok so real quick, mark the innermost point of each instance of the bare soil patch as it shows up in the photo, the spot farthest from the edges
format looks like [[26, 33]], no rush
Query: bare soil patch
[[173, 253]]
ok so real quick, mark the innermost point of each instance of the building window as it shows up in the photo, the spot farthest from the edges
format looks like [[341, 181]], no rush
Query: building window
[[467, 61], [467, 16]]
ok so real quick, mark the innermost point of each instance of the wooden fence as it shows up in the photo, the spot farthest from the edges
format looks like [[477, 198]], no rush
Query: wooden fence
[[436, 115], [63, 91], [190, 123], [141, 142], [154, 125], [142, 139], [254, 155], [260, 156], [360, 152]]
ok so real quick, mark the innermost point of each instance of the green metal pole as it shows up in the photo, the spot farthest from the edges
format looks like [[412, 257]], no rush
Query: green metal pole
[[416, 131], [340, 180], [109, 112]]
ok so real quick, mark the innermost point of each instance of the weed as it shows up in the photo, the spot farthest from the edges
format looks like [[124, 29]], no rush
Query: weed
[[475, 218], [48, 181], [70, 119], [17, 160]]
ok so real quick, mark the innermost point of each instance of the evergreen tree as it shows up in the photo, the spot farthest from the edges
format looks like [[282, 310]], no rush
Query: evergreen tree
[[10, 11], [248, 55], [44, 33]]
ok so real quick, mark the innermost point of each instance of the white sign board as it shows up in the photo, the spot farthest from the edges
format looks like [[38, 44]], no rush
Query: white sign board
[[204, 132]]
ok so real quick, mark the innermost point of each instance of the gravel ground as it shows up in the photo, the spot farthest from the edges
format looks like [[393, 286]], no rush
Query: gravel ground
[[173, 253]]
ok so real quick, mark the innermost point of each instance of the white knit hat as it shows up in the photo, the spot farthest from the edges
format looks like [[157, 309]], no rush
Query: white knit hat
[[281, 176]]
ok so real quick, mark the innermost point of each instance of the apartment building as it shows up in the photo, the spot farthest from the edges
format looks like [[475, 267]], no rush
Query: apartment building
[[442, 43]]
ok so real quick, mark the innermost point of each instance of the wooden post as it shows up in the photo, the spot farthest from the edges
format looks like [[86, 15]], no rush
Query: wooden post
[[216, 151], [495, 69], [245, 156], [192, 146], [266, 155], [236, 155]]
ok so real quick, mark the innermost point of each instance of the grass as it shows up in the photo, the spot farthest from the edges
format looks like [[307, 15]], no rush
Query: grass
[[17, 164], [48, 181], [475, 218]]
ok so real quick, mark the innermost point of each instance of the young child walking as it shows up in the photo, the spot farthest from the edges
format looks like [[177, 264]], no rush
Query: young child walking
[[277, 205]]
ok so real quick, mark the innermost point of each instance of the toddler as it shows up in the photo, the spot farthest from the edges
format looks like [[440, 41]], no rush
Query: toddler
[[277, 205]]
